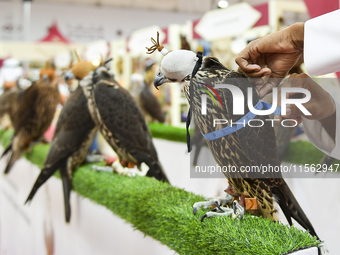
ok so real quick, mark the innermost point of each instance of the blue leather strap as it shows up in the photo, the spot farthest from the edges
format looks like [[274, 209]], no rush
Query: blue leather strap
[[240, 123]]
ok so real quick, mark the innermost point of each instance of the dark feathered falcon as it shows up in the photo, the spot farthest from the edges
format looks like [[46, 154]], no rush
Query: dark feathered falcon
[[147, 101], [245, 147], [121, 121], [72, 139], [34, 115], [74, 134], [9, 104]]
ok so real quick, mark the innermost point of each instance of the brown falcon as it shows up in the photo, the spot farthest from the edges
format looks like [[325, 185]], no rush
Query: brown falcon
[[74, 134], [121, 121], [35, 114], [142, 94], [246, 147], [9, 103]]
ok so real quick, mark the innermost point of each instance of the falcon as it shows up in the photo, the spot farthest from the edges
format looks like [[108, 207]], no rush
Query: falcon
[[74, 134], [148, 103], [9, 104], [121, 121], [249, 146], [34, 115]]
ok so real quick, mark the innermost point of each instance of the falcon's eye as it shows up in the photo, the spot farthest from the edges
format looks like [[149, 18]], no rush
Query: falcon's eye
[[173, 80]]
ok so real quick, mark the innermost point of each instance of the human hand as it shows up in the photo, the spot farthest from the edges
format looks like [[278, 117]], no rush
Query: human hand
[[272, 55], [321, 104]]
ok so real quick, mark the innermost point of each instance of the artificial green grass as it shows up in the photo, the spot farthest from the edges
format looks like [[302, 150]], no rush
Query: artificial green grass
[[167, 132], [165, 213], [302, 152]]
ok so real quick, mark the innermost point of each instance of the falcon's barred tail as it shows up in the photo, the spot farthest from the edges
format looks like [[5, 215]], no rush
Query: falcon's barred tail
[[156, 171], [16, 154], [44, 175], [67, 187], [155, 168], [9, 147], [292, 209]]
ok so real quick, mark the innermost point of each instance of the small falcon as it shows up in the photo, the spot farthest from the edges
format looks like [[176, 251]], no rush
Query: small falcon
[[121, 121], [9, 104], [246, 147], [74, 134], [34, 115], [147, 101]]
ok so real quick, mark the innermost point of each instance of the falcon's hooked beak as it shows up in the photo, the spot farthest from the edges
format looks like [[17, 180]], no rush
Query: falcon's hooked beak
[[69, 75], [159, 79]]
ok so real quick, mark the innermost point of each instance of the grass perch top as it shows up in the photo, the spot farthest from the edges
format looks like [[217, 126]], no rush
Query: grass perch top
[[165, 213]]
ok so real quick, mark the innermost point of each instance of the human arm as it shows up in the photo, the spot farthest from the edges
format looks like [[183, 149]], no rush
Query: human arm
[[322, 44], [272, 55], [320, 126]]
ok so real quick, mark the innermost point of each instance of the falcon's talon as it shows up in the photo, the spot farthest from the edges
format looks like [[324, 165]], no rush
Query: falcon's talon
[[221, 209], [238, 210], [119, 169], [102, 168], [235, 216], [227, 212], [95, 158], [218, 206], [222, 200], [203, 217]]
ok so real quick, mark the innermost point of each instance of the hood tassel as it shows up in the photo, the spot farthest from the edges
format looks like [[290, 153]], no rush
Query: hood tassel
[[194, 71], [156, 46]]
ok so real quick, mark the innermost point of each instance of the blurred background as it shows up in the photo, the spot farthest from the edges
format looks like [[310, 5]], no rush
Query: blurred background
[[46, 33], [33, 32]]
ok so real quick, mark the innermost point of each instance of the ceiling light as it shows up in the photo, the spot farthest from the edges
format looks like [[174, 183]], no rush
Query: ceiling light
[[96, 62], [223, 4]]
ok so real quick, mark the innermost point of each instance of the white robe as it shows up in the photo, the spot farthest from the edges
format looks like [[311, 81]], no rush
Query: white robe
[[322, 56]]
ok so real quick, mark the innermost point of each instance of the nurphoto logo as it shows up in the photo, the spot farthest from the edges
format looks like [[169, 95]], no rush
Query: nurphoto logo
[[238, 103]]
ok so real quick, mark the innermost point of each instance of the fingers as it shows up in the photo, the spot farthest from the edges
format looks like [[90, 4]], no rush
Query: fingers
[[293, 112], [264, 90], [245, 65], [291, 82], [254, 71], [248, 61]]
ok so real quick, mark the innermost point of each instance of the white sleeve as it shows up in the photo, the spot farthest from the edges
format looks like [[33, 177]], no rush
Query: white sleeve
[[322, 44], [319, 136]]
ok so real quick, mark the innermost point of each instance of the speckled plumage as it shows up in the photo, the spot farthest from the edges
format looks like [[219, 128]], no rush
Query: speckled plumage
[[121, 121], [248, 146], [147, 101], [74, 134], [34, 115]]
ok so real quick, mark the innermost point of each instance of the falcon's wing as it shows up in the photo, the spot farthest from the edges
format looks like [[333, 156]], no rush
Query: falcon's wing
[[122, 117], [248, 145], [26, 109], [151, 104], [73, 128]]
